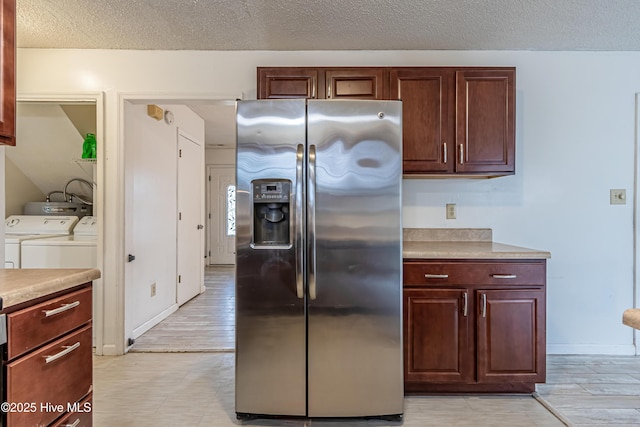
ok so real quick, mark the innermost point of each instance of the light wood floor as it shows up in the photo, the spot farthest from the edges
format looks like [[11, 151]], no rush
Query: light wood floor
[[204, 324], [182, 373]]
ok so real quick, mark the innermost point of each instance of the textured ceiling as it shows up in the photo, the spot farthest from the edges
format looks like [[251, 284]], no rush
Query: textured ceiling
[[330, 24]]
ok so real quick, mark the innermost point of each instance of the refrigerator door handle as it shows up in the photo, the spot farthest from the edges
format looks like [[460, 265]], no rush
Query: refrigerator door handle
[[298, 232], [311, 221]]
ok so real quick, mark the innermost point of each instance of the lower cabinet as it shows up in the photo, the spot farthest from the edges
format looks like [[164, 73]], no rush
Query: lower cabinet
[[47, 364], [474, 326]]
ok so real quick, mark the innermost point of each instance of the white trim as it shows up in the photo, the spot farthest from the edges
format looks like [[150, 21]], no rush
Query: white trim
[[153, 321], [611, 350], [636, 235]]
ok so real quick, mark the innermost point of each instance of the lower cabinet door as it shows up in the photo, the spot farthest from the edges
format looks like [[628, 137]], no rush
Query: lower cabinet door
[[50, 379], [437, 336], [511, 338], [80, 417]]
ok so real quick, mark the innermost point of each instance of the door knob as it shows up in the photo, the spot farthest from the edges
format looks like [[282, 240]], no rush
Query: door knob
[[131, 258]]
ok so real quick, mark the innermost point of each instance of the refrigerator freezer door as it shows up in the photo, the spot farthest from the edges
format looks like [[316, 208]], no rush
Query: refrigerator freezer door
[[355, 259], [270, 322]]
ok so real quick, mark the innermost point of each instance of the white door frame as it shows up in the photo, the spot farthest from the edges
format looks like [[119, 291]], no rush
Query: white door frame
[[97, 99], [636, 216]]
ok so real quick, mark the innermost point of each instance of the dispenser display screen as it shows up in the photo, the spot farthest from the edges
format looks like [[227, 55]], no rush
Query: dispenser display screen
[[271, 214]]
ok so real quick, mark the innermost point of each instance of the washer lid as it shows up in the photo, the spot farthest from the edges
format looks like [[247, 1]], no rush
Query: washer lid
[[88, 226]]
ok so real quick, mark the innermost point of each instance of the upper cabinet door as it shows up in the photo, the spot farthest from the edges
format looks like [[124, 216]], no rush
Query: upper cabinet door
[[357, 83], [275, 83], [427, 118], [485, 121], [7, 80]]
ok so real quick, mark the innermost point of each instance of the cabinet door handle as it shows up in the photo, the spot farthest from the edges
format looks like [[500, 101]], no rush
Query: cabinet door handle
[[76, 423], [67, 349], [461, 148], [61, 309], [436, 276], [484, 305], [444, 150], [504, 276], [465, 304]]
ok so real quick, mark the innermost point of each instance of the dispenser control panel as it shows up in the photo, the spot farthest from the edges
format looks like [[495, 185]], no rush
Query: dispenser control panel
[[271, 214], [271, 192]]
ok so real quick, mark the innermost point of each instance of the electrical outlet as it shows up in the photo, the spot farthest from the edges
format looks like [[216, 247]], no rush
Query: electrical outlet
[[618, 197], [451, 211], [153, 289]]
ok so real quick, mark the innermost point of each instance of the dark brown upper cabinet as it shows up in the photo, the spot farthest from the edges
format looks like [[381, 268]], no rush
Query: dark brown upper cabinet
[[457, 121], [8, 77]]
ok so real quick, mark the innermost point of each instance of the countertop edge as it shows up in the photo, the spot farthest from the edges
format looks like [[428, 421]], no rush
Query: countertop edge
[[415, 250], [30, 284]]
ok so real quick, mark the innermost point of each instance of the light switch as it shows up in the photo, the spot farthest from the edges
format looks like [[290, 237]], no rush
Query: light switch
[[618, 196]]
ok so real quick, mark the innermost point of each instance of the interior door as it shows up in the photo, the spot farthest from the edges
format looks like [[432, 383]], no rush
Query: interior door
[[190, 224], [222, 212]]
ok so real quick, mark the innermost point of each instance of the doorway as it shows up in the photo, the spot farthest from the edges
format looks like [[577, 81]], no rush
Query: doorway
[[51, 129], [151, 176]]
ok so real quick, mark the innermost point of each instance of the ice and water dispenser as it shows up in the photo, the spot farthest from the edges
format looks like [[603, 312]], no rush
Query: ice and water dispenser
[[271, 213]]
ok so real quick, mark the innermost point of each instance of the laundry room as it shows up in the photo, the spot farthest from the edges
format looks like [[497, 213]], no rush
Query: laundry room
[[52, 177]]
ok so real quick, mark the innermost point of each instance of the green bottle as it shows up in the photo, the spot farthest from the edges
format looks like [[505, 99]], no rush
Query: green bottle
[[89, 147]]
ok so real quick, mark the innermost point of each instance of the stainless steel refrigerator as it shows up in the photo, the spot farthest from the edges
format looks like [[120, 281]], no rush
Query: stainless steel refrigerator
[[319, 259]]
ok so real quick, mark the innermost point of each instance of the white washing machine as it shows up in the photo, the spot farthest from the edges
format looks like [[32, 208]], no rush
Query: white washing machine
[[78, 250], [22, 228]]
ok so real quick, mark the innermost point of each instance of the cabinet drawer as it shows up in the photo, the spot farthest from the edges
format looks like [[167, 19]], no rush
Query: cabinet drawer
[[56, 375], [80, 417], [41, 323], [474, 273]]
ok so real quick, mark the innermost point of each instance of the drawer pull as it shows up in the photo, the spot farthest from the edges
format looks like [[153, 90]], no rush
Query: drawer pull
[[76, 423], [484, 305], [504, 276], [61, 309], [465, 307], [436, 276], [67, 349]]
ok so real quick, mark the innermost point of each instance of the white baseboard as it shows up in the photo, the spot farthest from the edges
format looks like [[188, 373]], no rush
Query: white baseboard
[[154, 321], [592, 349], [109, 350]]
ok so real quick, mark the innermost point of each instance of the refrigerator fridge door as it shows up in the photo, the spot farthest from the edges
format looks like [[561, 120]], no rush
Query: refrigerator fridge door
[[355, 259], [270, 322]]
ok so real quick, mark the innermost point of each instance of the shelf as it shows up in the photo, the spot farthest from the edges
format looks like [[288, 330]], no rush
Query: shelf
[[88, 172]]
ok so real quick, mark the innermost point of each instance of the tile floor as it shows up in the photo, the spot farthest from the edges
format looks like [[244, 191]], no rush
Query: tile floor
[[181, 373], [197, 390]]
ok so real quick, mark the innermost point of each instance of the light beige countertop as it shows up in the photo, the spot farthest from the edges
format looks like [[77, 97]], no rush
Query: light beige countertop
[[461, 243], [21, 285]]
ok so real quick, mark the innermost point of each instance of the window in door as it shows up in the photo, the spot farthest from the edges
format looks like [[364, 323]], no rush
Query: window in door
[[231, 210]]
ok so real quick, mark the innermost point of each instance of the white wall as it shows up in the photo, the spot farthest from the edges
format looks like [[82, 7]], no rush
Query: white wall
[[44, 159], [575, 141], [21, 190], [151, 160]]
